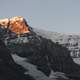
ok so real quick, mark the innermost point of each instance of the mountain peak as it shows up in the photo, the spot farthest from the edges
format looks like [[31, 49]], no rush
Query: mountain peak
[[16, 24]]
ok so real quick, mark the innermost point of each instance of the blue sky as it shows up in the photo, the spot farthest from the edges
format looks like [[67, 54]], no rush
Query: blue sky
[[52, 15]]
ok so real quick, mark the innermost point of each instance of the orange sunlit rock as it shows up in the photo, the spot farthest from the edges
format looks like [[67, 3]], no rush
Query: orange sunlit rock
[[4, 22], [16, 25]]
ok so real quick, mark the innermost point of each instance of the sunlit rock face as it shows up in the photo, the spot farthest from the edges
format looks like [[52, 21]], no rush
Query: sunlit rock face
[[4, 22], [15, 24], [18, 25], [39, 51]]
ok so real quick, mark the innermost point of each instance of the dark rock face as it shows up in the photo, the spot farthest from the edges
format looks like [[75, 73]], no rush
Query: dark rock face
[[61, 61], [9, 70]]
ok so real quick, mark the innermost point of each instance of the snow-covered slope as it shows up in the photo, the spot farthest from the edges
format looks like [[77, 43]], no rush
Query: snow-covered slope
[[71, 41]]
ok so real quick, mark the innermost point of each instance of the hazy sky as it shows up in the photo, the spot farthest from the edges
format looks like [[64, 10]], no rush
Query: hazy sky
[[53, 15]]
